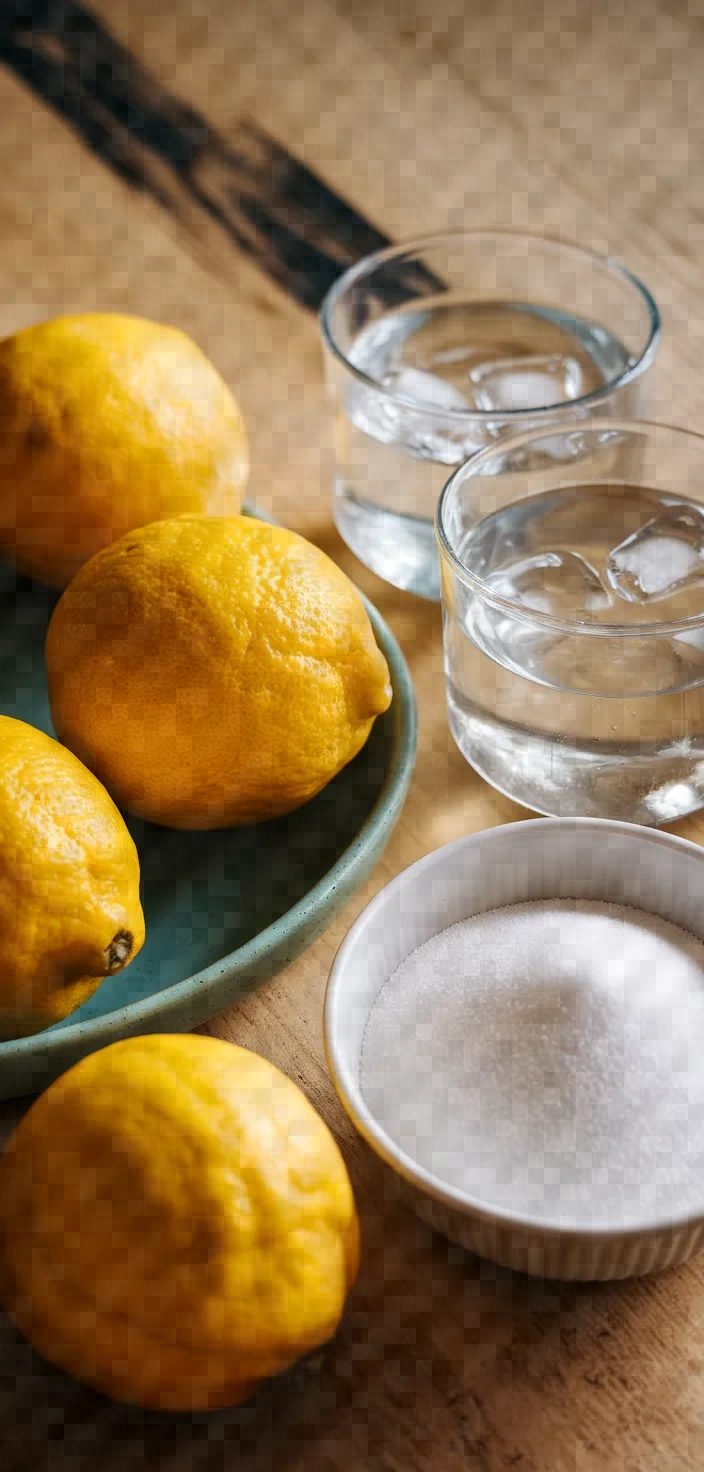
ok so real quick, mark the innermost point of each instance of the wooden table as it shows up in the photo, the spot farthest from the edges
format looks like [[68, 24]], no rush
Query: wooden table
[[332, 123]]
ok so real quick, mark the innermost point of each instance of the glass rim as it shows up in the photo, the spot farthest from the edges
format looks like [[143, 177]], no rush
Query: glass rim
[[463, 416], [473, 466]]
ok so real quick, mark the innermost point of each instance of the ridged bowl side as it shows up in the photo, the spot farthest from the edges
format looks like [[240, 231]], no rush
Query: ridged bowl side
[[569, 1256]]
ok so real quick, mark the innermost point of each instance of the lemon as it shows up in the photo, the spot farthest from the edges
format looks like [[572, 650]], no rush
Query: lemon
[[176, 1223], [69, 882], [108, 422], [213, 671]]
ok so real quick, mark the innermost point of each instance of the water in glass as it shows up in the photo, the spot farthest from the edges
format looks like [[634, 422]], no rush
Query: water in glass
[[435, 367], [578, 723]]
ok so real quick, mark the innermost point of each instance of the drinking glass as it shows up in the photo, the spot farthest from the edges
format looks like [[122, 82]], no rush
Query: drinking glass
[[573, 613], [437, 349]]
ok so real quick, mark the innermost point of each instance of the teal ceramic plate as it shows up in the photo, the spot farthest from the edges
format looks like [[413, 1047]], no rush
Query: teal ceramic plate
[[224, 910]]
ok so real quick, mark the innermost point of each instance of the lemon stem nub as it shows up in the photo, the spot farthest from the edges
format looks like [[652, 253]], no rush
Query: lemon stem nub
[[119, 950]]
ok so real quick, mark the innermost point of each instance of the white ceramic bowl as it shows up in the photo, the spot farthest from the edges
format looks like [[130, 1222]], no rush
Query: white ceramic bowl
[[548, 858]]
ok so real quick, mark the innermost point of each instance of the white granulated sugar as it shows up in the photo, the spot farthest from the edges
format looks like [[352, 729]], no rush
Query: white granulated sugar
[[548, 1058]]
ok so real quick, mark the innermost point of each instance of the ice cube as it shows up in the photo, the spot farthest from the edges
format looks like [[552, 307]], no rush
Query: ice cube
[[532, 382], [664, 557], [561, 583], [426, 432], [427, 390]]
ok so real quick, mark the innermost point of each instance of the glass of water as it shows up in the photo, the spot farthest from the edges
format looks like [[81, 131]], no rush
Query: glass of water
[[573, 608], [437, 349]]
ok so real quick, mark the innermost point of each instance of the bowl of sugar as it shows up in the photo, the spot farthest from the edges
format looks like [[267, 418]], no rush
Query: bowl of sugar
[[515, 1025]]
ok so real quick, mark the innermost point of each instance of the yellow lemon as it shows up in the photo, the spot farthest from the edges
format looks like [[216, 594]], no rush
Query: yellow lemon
[[106, 423], [69, 882], [213, 671], [176, 1223]]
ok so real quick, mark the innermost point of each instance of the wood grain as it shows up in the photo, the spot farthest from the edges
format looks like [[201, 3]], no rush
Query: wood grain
[[571, 119], [249, 187]]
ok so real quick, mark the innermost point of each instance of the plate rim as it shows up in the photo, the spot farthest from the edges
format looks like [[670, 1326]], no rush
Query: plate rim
[[49, 1052]]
